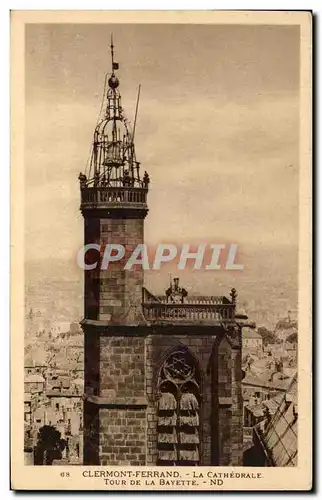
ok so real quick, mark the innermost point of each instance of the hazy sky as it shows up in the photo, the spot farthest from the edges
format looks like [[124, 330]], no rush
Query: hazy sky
[[217, 131]]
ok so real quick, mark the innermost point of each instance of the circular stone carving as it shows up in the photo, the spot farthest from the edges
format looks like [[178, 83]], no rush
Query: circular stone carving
[[178, 367]]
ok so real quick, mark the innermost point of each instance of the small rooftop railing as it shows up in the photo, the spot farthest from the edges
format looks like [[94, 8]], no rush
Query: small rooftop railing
[[94, 197], [189, 312], [196, 300]]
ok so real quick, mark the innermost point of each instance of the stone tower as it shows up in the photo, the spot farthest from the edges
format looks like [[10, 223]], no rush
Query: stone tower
[[162, 373], [114, 205]]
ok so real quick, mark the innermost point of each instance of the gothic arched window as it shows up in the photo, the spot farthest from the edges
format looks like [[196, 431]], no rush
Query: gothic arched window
[[178, 410]]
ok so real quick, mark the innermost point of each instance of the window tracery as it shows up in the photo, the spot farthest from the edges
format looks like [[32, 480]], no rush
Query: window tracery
[[178, 431]]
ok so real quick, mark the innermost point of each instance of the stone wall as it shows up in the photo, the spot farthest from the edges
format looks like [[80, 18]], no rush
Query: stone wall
[[227, 405], [113, 294], [118, 428], [122, 436], [236, 438], [122, 369], [120, 289], [126, 370]]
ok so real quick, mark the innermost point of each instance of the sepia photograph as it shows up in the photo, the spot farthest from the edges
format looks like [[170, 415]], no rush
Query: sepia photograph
[[164, 312]]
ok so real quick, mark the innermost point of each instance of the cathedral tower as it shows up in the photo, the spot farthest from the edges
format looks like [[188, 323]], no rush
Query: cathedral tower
[[162, 373], [114, 205]]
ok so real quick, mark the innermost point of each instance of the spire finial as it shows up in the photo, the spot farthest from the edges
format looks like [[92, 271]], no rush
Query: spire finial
[[115, 65], [112, 52], [113, 80]]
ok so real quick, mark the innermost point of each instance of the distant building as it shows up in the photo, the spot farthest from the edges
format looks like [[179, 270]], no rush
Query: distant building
[[252, 340], [64, 397], [275, 437], [35, 360], [34, 383], [27, 408], [261, 388], [255, 412], [286, 326]]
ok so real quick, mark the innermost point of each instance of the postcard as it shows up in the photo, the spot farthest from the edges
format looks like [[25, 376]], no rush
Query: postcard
[[161, 236]]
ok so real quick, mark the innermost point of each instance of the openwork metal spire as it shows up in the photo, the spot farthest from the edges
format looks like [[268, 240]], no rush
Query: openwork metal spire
[[113, 161]]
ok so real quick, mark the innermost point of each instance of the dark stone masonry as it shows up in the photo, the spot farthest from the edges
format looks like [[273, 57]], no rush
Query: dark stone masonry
[[123, 385]]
